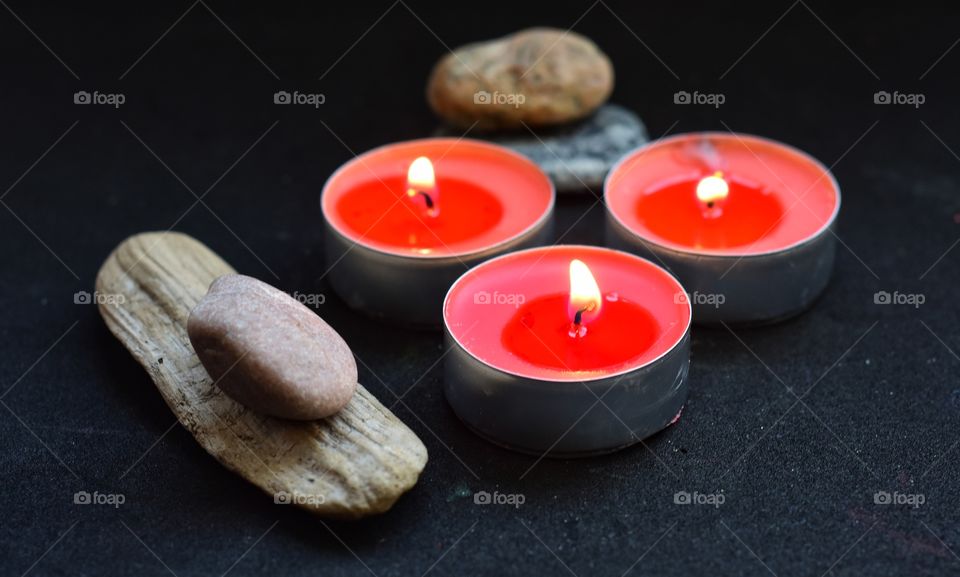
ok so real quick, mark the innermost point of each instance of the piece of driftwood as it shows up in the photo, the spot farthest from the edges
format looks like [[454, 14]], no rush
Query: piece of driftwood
[[352, 464]]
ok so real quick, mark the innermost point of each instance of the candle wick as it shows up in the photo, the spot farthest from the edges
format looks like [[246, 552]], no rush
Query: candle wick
[[710, 204], [578, 318], [427, 198]]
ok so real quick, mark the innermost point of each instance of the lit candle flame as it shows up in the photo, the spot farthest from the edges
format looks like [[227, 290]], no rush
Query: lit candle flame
[[712, 189], [422, 182], [585, 297], [420, 174]]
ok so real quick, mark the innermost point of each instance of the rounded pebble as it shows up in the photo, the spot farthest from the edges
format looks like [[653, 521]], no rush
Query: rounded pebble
[[536, 77], [269, 352]]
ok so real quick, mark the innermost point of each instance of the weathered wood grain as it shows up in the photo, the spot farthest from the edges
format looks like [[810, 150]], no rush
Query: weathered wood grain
[[352, 464]]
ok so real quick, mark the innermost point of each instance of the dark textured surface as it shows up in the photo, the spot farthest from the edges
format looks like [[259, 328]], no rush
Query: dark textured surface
[[880, 398]]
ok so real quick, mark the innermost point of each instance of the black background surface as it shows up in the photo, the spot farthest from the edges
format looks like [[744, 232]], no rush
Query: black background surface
[[879, 399]]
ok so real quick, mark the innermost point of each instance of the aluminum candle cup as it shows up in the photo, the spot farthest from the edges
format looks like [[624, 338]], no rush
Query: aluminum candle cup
[[566, 350], [405, 220], [745, 223]]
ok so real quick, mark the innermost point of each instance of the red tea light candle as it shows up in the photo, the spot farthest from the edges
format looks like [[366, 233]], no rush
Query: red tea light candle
[[405, 220], [536, 337], [744, 222]]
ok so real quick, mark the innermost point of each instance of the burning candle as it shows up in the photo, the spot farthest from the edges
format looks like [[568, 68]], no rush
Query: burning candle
[[422, 186], [405, 220], [744, 222], [536, 337]]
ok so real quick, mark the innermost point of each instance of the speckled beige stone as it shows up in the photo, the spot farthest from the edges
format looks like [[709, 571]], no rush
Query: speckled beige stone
[[537, 77], [270, 352], [354, 463]]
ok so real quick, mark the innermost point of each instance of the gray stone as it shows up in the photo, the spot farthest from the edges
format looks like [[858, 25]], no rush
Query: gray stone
[[579, 155]]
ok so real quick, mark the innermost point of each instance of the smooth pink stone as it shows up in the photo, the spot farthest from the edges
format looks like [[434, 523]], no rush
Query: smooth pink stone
[[269, 352]]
